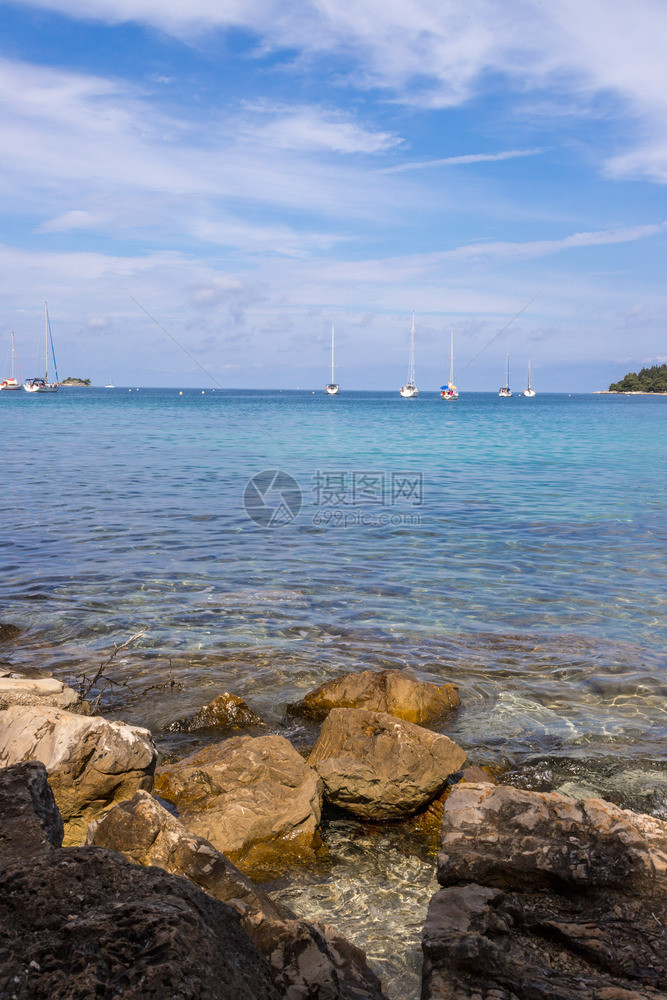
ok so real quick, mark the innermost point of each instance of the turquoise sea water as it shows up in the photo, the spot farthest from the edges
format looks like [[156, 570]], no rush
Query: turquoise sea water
[[516, 547]]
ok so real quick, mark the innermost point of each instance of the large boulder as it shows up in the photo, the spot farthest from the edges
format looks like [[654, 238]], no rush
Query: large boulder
[[29, 818], [18, 688], [254, 798], [380, 767], [395, 692], [308, 961], [227, 711], [85, 923], [91, 762], [546, 898]]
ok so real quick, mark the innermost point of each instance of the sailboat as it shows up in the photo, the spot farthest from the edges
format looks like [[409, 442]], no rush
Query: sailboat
[[450, 391], [505, 390], [110, 385], [529, 391], [13, 382], [43, 384], [332, 388], [410, 389]]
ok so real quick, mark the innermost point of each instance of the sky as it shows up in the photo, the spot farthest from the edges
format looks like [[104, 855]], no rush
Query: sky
[[235, 176]]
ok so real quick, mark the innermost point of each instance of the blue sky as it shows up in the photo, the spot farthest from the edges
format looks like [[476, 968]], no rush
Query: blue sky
[[250, 171]]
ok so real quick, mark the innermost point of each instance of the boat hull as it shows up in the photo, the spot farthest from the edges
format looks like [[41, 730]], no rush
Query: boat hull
[[409, 391], [449, 392], [332, 389], [10, 383], [44, 387], [504, 393], [529, 392]]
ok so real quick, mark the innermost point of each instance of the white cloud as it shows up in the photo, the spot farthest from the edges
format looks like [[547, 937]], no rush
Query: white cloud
[[76, 219]]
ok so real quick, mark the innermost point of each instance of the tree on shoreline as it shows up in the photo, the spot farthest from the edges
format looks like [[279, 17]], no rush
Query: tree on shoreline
[[652, 379]]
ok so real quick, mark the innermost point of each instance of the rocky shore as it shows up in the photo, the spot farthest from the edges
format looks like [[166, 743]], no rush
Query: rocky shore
[[127, 876]]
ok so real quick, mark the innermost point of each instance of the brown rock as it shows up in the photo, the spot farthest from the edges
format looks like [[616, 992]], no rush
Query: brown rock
[[91, 762], [254, 798], [29, 818], [546, 898], [395, 692], [380, 767], [308, 961], [84, 923], [227, 711]]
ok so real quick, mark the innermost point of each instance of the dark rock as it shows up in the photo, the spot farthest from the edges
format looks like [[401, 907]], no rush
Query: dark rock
[[393, 691], [380, 767], [85, 924], [227, 711], [8, 632], [29, 818], [308, 961], [546, 898]]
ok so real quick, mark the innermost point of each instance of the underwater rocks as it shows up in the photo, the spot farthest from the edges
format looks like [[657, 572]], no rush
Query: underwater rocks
[[395, 692], [546, 898], [91, 762], [308, 961], [251, 797], [227, 711], [380, 767], [9, 632]]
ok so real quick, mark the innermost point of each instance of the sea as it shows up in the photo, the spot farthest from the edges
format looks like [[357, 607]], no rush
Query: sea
[[261, 542]]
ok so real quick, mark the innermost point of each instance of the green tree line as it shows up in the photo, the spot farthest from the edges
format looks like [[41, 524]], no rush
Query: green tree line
[[652, 379]]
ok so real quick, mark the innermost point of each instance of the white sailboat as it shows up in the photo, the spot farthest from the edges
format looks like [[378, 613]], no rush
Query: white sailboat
[[13, 382], [410, 389], [529, 391], [505, 391], [110, 385], [450, 391], [332, 388], [43, 384]]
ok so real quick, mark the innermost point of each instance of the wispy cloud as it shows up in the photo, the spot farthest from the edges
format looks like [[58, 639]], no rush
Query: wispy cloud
[[455, 161]]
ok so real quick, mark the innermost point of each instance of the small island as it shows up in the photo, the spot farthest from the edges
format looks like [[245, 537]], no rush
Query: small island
[[75, 381], [652, 379]]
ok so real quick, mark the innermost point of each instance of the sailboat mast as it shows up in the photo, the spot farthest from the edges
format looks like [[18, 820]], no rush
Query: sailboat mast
[[529, 386], [46, 342], [332, 353], [508, 372], [411, 373], [451, 354]]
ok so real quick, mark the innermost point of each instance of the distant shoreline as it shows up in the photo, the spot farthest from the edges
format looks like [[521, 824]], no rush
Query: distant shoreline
[[623, 392]]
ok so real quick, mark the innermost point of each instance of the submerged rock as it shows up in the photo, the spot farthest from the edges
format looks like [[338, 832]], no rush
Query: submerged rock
[[84, 922], [29, 818], [91, 762], [253, 798], [9, 632], [380, 767], [395, 692], [546, 898], [17, 688], [227, 711], [309, 961]]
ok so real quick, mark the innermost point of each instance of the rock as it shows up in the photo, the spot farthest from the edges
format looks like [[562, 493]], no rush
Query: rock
[[254, 798], [477, 775], [85, 923], [91, 762], [8, 632], [380, 767], [308, 961], [546, 898], [29, 818], [227, 711], [145, 832], [18, 689], [395, 692]]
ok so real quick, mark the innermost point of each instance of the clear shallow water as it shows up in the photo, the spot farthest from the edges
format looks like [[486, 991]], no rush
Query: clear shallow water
[[532, 573]]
